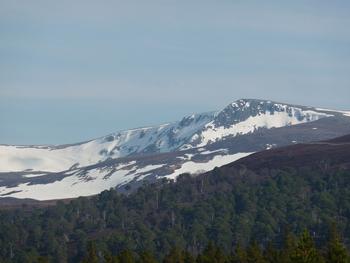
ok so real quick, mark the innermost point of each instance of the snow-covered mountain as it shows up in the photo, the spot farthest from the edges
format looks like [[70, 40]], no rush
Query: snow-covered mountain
[[196, 143]]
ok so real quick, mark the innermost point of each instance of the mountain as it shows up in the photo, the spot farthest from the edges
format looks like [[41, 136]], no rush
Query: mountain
[[195, 144], [255, 199], [327, 155]]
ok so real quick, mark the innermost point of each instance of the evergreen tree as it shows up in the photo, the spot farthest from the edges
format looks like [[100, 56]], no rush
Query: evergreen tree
[[271, 254], [305, 251], [211, 254], [189, 213], [289, 246], [126, 256], [43, 260], [336, 252], [91, 254], [188, 258], [174, 256], [254, 253], [110, 259], [240, 255], [147, 257]]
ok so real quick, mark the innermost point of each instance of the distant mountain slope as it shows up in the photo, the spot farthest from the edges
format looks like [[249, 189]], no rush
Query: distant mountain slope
[[197, 130], [330, 154], [195, 144], [255, 198]]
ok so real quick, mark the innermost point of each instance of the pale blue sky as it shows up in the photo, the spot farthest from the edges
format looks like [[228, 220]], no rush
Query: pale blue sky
[[76, 70]]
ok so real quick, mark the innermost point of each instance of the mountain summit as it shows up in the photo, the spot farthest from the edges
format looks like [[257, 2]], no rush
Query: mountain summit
[[196, 143]]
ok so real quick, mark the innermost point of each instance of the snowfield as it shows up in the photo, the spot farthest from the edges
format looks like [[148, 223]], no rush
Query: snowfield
[[87, 168], [199, 167], [75, 185], [267, 121], [95, 181]]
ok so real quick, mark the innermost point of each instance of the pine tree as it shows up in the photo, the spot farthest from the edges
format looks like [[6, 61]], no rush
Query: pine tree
[[187, 257], [43, 260], [305, 251], [126, 256], [91, 254], [271, 254], [254, 253], [336, 252], [110, 259], [174, 256], [240, 255], [147, 257], [289, 246], [211, 254]]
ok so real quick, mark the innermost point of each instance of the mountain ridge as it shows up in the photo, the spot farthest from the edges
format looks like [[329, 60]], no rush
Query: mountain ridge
[[194, 144], [230, 206], [214, 112]]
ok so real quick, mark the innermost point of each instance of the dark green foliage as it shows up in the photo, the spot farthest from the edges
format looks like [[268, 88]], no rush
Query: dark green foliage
[[211, 254], [336, 251], [289, 246], [147, 257], [179, 256], [240, 255], [126, 256], [305, 251], [227, 207], [255, 254], [175, 256], [91, 256], [271, 254]]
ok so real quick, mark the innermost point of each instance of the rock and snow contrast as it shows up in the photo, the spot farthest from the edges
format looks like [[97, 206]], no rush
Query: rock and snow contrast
[[196, 144]]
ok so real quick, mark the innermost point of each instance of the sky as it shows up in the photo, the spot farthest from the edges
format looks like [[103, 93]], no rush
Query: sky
[[76, 70]]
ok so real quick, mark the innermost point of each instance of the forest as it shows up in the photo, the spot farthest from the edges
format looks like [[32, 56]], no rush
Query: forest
[[301, 249], [227, 215]]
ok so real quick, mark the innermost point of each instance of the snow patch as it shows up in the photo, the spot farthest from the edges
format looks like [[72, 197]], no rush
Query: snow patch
[[164, 138], [215, 151], [148, 168], [270, 146], [77, 184], [345, 113], [33, 175], [217, 161], [267, 120]]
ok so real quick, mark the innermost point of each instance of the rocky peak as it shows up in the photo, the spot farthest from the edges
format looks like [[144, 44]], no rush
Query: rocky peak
[[241, 110]]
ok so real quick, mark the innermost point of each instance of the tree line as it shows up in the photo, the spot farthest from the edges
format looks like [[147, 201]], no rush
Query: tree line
[[298, 250], [228, 207]]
